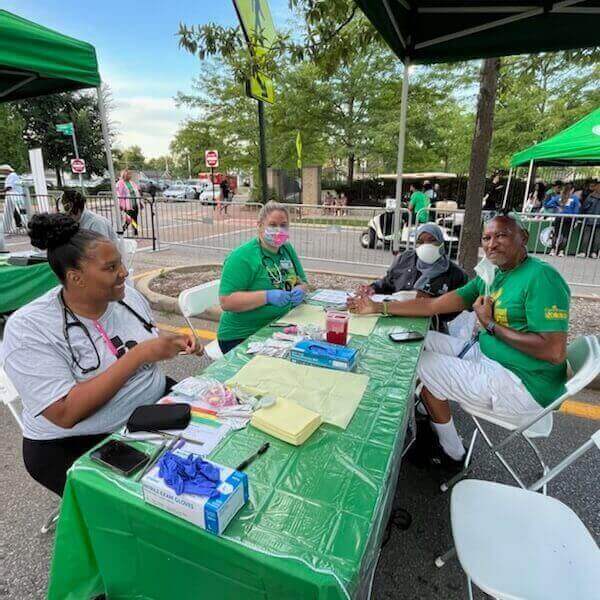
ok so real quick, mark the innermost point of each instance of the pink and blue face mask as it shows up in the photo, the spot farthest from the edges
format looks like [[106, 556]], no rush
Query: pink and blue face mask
[[276, 236]]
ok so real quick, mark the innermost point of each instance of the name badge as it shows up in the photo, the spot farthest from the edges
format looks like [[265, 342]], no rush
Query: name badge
[[285, 264]]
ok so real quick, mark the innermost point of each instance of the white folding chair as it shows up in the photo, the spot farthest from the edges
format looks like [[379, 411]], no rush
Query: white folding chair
[[128, 249], [194, 302], [583, 356], [10, 397], [516, 544]]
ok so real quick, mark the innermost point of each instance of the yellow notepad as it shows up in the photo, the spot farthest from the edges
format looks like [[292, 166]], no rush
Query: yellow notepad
[[287, 421]]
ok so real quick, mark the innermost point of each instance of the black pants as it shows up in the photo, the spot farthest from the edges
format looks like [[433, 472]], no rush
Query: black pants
[[48, 461], [590, 238], [562, 229], [227, 345], [133, 213]]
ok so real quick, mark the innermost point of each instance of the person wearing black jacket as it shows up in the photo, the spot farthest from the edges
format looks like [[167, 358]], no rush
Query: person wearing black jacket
[[427, 269]]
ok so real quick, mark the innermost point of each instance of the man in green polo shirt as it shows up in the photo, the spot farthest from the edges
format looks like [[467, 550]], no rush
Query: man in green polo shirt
[[518, 364], [419, 203]]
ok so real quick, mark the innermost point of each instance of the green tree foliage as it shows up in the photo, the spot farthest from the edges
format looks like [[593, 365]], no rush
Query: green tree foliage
[[40, 116], [13, 150]]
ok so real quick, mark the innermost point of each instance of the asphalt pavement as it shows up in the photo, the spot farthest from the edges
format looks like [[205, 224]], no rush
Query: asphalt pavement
[[405, 570]]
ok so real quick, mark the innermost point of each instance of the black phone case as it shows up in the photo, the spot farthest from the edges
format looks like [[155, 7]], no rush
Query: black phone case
[[157, 417]]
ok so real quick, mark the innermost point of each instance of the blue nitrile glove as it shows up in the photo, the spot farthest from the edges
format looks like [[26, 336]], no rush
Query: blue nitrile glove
[[190, 475], [298, 294], [278, 297]]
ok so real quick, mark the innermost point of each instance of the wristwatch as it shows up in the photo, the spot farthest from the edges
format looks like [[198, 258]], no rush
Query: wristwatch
[[385, 304], [491, 327]]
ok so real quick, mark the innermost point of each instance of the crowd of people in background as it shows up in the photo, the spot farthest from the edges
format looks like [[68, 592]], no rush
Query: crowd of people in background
[[564, 198]]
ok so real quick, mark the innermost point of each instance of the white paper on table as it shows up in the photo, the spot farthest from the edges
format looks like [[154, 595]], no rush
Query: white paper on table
[[330, 296], [398, 296]]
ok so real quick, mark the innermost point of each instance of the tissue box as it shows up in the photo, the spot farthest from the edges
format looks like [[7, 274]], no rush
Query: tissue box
[[324, 354], [211, 514]]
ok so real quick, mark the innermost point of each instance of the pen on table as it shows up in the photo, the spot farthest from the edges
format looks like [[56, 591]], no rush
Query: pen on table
[[252, 458], [151, 462]]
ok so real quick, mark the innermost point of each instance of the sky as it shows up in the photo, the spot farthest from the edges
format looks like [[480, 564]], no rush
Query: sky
[[138, 56]]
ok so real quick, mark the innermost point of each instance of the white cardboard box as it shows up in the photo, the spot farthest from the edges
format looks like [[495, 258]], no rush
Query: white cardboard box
[[211, 514]]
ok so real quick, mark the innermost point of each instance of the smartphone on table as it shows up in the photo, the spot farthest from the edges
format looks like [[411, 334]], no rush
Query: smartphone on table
[[406, 336], [119, 457]]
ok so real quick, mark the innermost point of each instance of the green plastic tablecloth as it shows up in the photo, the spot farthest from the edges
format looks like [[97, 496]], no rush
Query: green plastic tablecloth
[[312, 527], [20, 285]]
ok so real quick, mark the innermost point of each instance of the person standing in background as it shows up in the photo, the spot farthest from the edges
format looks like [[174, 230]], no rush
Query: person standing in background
[[224, 185], [73, 203], [130, 201], [419, 203], [14, 202], [590, 238]]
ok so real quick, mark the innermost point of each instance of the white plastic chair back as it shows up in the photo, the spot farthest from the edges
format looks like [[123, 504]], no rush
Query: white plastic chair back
[[583, 356], [128, 250], [10, 397], [196, 300]]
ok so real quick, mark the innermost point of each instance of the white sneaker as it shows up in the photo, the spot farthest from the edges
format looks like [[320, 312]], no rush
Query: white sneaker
[[593, 255], [552, 253], [581, 255], [561, 253]]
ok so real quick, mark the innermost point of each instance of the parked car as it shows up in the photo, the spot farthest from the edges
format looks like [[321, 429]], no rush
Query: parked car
[[207, 197], [199, 185], [180, 192]]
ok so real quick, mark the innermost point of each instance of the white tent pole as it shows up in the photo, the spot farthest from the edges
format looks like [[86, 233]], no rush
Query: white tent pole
[[401, 145], [109, 159], [528, 184], [510, 173]]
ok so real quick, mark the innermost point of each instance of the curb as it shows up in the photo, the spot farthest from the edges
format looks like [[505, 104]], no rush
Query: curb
[[167, 303]]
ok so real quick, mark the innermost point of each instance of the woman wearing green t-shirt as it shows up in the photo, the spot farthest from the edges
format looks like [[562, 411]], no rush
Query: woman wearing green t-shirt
[[261, 279]]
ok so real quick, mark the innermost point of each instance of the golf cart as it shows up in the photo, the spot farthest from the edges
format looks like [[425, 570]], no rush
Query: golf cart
[[380, 232]]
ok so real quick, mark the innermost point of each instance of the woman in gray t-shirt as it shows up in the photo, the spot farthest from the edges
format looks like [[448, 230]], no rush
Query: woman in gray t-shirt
[[84, 355]]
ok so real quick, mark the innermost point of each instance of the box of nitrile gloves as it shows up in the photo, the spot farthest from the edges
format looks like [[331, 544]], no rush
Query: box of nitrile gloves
[[324, 354], [211, 514]]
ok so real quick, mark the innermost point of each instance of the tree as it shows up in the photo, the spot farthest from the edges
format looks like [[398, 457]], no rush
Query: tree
[[131, 158], [484, 125], [12, 148], [40, 116]]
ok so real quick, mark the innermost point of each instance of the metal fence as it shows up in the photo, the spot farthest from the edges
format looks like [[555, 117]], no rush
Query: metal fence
[[339, 238], [363, 236], [16, 213]]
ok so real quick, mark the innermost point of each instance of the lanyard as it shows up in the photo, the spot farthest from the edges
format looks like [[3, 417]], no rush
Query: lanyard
[[107, 341]]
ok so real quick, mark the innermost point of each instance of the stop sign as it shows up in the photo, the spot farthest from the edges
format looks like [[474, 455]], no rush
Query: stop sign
[[211, 158], [78, 165]]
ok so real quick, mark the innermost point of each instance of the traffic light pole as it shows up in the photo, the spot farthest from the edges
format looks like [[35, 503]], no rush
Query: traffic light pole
[[262, 151]]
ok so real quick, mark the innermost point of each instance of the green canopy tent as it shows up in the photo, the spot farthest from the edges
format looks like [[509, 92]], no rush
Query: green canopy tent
[[36, 61], [433, 31], [578, 145]]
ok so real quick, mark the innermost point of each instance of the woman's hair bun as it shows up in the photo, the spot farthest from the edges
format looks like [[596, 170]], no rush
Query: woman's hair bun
[[49, 231]]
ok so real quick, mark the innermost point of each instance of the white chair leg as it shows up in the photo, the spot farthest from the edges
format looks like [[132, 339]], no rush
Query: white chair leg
[[50, 521], [448, 484], [499, 456], [540, 458], [440, 561]]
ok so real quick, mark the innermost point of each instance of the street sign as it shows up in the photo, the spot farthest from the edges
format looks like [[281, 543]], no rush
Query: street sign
[[211, 157], [65, 128], [78, 166], [260, 87]]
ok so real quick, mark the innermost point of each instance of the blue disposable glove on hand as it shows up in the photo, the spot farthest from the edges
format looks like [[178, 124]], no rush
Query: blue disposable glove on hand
[[278, 297], [298, 294]]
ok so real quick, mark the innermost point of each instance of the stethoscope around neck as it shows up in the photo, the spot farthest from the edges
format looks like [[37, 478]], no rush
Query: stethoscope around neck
[[274, 271], [76, 322]]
